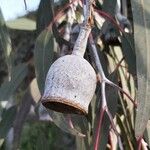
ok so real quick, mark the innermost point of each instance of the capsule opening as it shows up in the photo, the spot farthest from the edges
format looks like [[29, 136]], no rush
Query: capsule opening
[[63, 106]]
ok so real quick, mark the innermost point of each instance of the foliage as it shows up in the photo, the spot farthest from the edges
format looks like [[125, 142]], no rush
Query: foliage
[[121, 39], [43, 136]]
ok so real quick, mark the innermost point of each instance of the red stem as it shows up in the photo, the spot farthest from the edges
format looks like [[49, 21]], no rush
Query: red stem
[[112, 122], [119, 64], [109, 17], [139, 142], [121, 90], [99, 128]]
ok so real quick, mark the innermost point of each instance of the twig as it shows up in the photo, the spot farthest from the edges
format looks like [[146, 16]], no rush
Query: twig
[[103, 81], [101, 72], [97, 137], [25, 3]]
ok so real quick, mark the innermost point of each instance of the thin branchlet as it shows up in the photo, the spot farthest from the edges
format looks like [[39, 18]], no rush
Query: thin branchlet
[[103, 81]]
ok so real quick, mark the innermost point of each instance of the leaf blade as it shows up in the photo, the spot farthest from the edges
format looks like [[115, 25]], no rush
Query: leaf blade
[[19, 72], [142, 47], [7, 121], [43, 56]]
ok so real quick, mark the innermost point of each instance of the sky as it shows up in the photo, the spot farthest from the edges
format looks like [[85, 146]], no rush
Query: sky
[[13, 9]]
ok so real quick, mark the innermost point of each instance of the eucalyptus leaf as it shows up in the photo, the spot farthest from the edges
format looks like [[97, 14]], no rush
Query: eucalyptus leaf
[[109, 7], [43, 56], [7, 121], [80, 143], [128, 50], [34, 91], [141, 18], [22, 24], [9, 87], [42, 142], [5, 49], [82, 125], [125, 136], [4, 36], [44, 15], [1, 142], [63, 122]]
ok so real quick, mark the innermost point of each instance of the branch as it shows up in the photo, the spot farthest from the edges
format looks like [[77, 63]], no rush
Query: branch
[[103, 78], [103, 81]]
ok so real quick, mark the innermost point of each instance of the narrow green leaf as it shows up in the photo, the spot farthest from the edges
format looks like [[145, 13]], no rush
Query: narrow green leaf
[[124, 135], [5, 42], [80, 143], [42, 142], [109, 7], [82, 125], [7, 121], [1, 142], [5, 49], [62, 121], [43, 56], [44, 15], [8, 88], [128, 50], [141, 18]]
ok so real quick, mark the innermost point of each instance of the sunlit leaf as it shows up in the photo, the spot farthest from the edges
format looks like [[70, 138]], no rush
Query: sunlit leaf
[[141, 15], [34, 90], [8, 88], [1, 142], [7, 121], [4, 36], [22, 24]]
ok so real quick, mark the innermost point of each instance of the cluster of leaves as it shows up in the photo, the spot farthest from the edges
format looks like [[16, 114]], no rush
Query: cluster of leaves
[[26, 58]]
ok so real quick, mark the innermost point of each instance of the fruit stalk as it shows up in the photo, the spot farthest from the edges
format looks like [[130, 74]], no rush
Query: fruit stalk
[[85, 29]]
